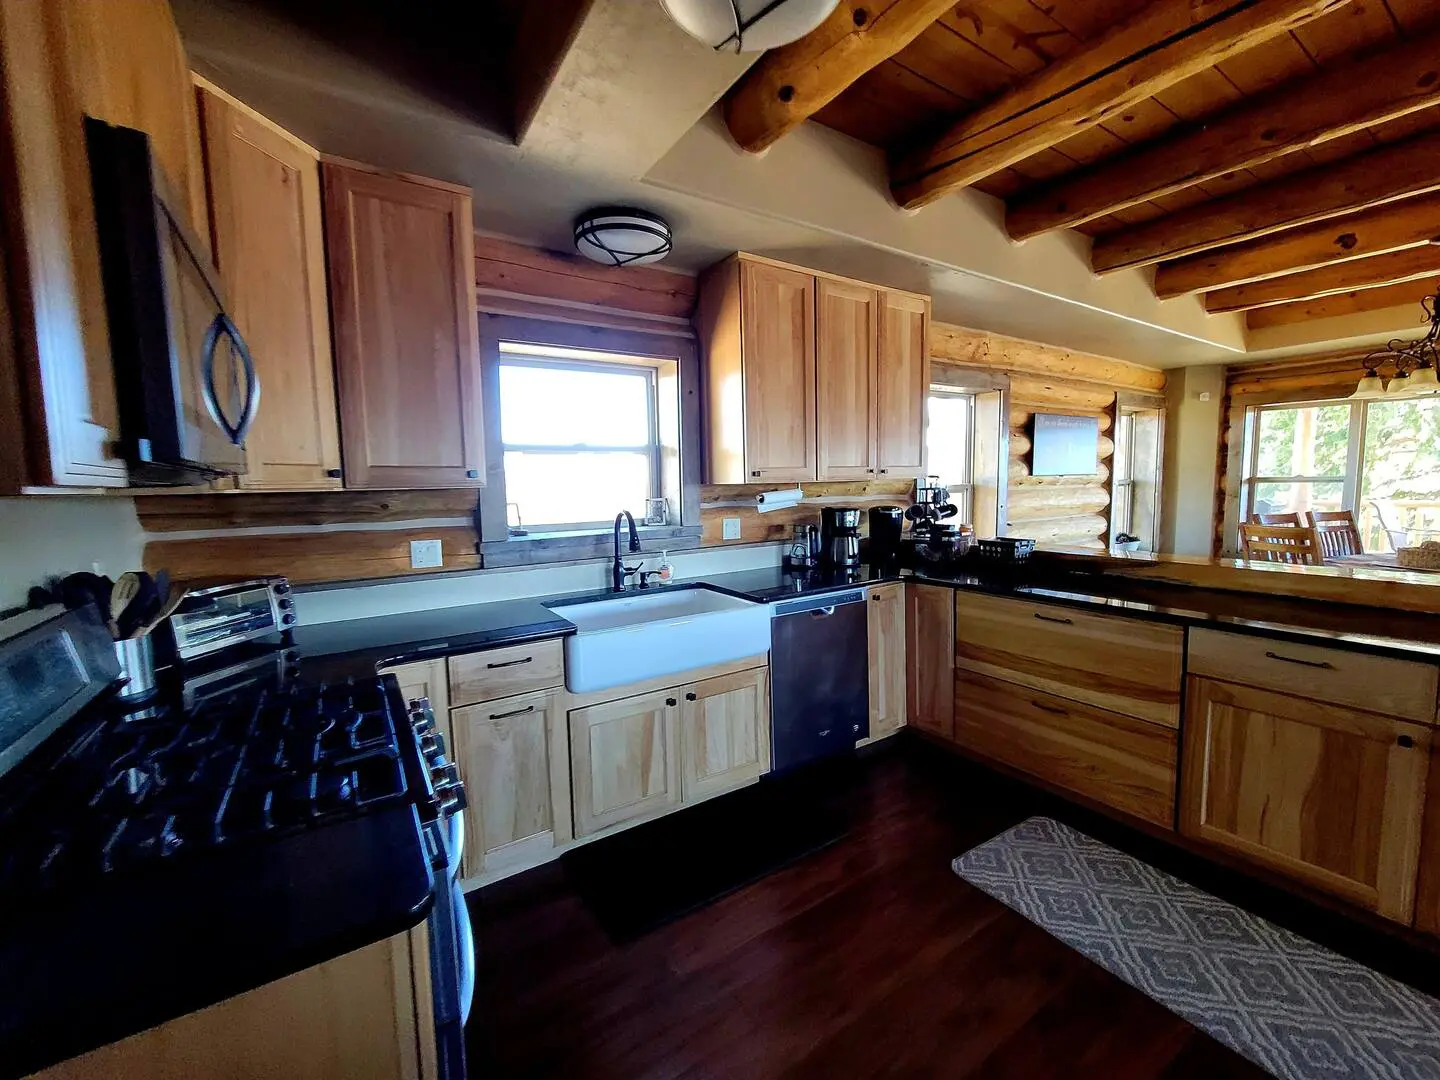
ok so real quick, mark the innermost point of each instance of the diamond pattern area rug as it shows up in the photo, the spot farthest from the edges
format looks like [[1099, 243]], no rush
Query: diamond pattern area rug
[[1295, 1009]]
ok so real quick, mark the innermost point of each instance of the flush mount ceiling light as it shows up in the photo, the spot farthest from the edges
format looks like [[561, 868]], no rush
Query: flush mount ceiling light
[[748, 25], [622, 236], [1415, 362]]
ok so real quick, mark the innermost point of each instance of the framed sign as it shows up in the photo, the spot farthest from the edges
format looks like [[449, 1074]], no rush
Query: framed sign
[[1064, 445]]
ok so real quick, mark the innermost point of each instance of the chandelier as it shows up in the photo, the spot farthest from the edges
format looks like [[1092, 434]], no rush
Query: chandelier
[[1415, 362]]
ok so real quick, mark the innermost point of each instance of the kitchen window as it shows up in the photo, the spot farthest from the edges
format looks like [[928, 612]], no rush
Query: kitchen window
[[1135, 490], [950, 445], [581, 440]]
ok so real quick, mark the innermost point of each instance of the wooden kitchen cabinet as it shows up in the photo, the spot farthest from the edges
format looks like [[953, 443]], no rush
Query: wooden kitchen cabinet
[[504, 672], [625, 759], [402, 295], [930, 658], [846, 317], [902, 384], [724, 733], [1326, 794], [266, 230], [515, 762], [887, 640]]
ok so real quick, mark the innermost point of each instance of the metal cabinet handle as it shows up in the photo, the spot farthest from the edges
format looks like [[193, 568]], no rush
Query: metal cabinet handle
[[236, 432], [1303, 663], [510, 663], [513, 712], [671, 701], [692, 697], [1048, 708], [1054, 619]]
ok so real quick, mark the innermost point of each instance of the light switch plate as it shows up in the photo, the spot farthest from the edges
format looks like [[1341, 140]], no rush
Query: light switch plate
[[425, 554], [731, 529]]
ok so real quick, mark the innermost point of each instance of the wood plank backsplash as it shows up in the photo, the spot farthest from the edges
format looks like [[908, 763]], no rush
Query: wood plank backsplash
[[721, 501]]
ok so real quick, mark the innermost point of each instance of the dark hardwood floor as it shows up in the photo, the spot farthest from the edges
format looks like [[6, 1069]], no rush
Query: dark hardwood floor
[[867, 958]]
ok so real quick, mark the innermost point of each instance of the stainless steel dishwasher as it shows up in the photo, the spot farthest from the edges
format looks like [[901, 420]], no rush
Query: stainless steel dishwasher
[[820, 681]]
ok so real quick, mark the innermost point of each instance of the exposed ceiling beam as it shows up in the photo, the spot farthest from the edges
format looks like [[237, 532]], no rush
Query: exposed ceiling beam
[[1381, 175], [792, 83], [1351, 303], [1381, 270], [1161, 45], [1405, 224], [1335, 101]]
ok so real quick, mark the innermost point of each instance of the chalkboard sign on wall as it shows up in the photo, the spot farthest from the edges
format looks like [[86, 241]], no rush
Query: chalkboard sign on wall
[[1064, 445]]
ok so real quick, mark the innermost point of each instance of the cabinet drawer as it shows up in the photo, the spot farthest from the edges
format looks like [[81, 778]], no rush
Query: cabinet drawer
[[1124, 665], [1377, 684], [497, 673], [1120, 761]]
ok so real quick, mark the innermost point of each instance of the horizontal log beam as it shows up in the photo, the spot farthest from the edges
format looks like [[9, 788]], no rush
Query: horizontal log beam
[[792, 83], [978, 348], [1161, 45], [1380, 270], [1337, 100], [1407, 294], [1382, 175], [1396, 226]]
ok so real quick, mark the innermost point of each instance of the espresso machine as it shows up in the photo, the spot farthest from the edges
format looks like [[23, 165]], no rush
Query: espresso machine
[[840, 536]]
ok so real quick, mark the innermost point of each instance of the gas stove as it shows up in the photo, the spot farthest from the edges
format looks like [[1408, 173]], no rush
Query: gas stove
[[169, 783]]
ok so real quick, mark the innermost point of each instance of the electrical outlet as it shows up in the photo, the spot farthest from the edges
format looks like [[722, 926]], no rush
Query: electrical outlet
[[731, 529], [425, 554]]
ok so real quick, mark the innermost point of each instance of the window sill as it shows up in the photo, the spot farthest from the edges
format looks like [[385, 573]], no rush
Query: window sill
[[544, 546]]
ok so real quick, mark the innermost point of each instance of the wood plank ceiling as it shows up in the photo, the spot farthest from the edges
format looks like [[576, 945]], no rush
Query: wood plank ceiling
[[1280, 157]]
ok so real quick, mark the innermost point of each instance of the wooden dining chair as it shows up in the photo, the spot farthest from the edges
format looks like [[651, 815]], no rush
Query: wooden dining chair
[[1293, 544], [1337, 532], [1276, 519]]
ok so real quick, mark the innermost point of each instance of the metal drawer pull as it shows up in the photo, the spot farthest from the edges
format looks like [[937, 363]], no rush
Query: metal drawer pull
[[1052, 618], [1304, 663], [1048, 708], [510, 663], [692, 697], [514, 712]]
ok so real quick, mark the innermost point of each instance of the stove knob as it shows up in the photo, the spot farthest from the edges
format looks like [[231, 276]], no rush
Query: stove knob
[[432, 744], [445, 775], [288, 618], [285, 603], [452, 797]]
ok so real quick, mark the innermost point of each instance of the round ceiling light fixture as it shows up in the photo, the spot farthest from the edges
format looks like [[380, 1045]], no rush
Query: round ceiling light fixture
[[622, 236], [748, 25]]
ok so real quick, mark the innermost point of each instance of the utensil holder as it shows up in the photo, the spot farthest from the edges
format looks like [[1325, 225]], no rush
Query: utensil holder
[[137, 666]]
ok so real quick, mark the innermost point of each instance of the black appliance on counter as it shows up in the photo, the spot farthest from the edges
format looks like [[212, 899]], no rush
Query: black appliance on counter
[[839, 536], [819, 677], [248, 764], [185, 383], [887, 524]]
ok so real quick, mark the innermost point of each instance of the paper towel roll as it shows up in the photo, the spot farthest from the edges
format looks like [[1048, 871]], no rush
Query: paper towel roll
[[767, 501]]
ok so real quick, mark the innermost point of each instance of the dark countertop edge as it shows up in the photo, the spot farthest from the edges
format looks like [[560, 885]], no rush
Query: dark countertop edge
[[1099, 603]]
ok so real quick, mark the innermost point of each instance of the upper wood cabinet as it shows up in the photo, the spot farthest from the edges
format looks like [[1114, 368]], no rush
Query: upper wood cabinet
[[60, 61], [902, 384], [402, 297], [811, 376], [1328, 795], [266, 228], [847, 317]]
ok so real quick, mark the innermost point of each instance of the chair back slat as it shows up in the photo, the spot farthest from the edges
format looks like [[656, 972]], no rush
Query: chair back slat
[[1292, 544], [1338, 534]]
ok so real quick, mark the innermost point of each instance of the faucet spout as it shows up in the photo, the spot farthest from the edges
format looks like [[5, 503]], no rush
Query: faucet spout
[[618, 569]]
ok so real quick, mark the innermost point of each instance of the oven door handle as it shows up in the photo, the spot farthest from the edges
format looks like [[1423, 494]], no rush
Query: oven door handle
[[464, 950]]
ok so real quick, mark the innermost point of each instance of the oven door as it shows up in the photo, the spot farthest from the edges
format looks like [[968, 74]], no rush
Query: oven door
[[452, 956]]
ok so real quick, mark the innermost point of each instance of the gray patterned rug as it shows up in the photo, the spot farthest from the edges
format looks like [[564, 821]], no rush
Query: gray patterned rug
[[1296, 1009]]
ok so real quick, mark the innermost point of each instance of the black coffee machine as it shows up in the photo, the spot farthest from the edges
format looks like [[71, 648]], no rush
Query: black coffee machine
[[887, 523], [840, 536]]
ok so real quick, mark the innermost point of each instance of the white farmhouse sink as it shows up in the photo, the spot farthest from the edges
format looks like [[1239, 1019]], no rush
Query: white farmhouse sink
[[636, 637]]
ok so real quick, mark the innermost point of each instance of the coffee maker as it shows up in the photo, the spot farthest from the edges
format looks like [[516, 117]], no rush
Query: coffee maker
[[840, 536], [887, 523]]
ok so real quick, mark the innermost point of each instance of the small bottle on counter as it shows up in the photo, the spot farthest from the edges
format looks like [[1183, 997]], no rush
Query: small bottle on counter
[[667, 572]]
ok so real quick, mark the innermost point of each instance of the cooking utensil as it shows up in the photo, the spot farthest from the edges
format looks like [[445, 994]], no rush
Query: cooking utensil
[[172, 601], [127, 587], [142, 606]]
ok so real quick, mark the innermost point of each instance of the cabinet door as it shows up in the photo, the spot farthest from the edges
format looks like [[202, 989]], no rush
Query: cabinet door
[[266, 229], [514, 760], [624, 757], [930, 657], [902, 384], [778, 345], [402, 294], [887, 659], [1327, 795], [426, 679], [845, 329], [725, 733]]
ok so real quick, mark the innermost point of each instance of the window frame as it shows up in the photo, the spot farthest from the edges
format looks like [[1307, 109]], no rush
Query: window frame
[[1123, 490], [964, 498], [1354, 453], [652, 449]]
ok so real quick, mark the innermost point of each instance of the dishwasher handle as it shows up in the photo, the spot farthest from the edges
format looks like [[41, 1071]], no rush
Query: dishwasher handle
[[823, 613]]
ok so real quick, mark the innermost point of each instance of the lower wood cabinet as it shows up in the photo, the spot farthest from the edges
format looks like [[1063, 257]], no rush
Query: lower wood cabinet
[[1120, 761], [515, 763], [625, 759], [1325, 794], [886, 631], [930, 657], [724, 733]]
